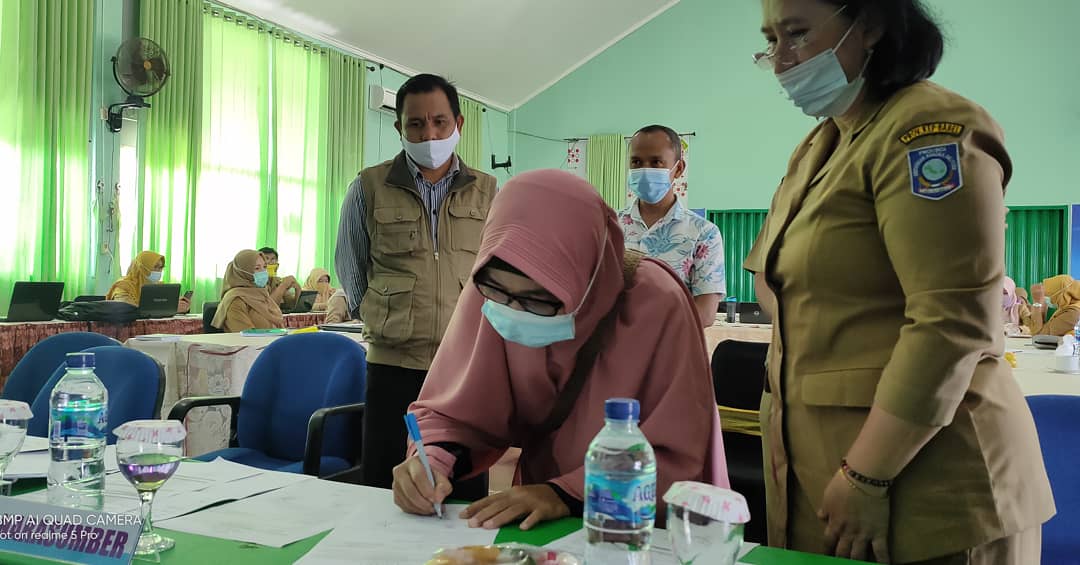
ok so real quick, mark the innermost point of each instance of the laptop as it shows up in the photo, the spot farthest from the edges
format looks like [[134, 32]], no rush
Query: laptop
[[159, 300], [305, 302], [34, 301], [751, 313]]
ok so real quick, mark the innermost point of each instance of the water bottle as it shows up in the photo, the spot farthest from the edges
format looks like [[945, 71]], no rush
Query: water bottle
[[620, 489], [78, 421]]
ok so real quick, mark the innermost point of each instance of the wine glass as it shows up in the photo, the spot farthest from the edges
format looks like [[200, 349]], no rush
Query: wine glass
[[148, 453], [14, 415]]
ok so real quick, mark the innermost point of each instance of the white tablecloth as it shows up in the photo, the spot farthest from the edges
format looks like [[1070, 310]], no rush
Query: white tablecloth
[[722, 331], [206, 365], [1035, 371]]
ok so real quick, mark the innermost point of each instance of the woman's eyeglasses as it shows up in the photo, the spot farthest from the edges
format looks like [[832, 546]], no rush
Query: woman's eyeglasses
[[796, 41], [536, 306]]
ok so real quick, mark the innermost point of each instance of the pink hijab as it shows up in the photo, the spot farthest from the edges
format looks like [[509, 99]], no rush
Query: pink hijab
[[488, 394], [1010, 302]]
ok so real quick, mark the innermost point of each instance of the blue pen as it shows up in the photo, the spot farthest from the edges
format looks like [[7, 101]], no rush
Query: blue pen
[[414, 433]]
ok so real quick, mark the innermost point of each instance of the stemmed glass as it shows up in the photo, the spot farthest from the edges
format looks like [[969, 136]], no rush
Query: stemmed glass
[[148, 453], [14, 416]]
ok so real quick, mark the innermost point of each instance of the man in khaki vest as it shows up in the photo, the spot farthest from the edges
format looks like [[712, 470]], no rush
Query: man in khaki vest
[[410, 229]]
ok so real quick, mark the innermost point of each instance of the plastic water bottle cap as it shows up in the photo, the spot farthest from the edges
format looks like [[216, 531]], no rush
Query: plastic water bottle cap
[[622, 409], [80, 360]]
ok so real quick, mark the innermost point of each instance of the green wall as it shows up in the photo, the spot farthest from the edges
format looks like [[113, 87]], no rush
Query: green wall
[[382, 142], [690, 69]]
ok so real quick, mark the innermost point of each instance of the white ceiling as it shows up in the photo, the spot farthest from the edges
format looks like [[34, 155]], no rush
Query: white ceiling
[[501, 52]]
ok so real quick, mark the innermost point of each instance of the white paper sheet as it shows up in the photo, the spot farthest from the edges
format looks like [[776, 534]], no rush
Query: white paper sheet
[[280, 517], [34, 443], [379, 533], [239, 489], [35, 464]]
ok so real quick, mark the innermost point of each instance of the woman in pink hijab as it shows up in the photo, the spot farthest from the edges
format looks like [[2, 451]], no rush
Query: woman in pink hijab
[[549, 270], [1011, 306]]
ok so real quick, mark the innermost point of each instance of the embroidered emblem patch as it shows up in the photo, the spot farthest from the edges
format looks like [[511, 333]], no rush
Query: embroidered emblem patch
[[935, 171], [932, 128]]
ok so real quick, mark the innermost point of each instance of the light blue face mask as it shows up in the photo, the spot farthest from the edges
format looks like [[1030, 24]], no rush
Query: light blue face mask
[[819, 85], [650, 185], [261, 278], [155, 276], [532, 330]]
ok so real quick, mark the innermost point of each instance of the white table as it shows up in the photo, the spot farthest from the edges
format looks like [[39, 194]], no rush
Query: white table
[[1035, 372], [206, 365], [723, 331]]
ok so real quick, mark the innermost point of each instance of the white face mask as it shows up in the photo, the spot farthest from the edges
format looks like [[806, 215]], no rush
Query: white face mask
[[819, 86], [432, 154], [155, 276]]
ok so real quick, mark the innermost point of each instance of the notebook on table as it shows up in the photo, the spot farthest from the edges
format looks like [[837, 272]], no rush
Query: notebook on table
[[34, 301]]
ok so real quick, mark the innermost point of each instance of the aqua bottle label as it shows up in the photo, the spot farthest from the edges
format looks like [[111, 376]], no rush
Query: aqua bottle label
[[89, 424], [631, 502]]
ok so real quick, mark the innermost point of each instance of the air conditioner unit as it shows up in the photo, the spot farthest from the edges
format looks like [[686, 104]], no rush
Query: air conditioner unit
[[382, 99]]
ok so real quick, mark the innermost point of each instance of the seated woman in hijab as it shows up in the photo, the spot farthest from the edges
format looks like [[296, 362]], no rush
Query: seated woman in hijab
[[1014, 310], [548, 276], [1064, 292], [145, 269], [337, 308], [245, 303], [319, 280]]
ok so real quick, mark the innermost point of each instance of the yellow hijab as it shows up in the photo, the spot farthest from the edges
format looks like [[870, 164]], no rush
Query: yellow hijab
[[1064, 292], [239, 284], [313, 284], [137, 275]]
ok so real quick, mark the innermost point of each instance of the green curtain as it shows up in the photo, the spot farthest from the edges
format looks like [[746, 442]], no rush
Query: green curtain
[[606, 157], [46, 59], [161, 211], [1036, 243], [235, 177], [471, 147], [344, 150], [739, 228], [299, 119]]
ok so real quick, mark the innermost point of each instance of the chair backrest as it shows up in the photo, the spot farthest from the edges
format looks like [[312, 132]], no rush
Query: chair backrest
[[135, 381], [209, 310], [39, 364], [738, 369], [294, 376], [1055, 419]]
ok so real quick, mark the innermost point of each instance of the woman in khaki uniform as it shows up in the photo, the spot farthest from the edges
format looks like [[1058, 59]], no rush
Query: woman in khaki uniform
[[245, 303], [894, 429]]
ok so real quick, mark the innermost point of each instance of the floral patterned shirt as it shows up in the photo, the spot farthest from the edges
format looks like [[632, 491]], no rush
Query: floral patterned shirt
[[689, 244]]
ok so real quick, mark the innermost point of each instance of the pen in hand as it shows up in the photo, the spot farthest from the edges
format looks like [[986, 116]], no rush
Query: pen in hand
[[414, 434]]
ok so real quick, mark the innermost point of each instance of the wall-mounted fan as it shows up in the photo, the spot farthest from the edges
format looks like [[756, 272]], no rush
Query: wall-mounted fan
[[141, 69]]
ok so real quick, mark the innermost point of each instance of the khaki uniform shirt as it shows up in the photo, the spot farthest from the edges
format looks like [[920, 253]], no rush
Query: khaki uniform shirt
[[884, 246]]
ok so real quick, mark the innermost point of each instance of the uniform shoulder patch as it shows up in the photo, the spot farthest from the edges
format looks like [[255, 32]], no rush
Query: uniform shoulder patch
[[931, 128], [935, 171]]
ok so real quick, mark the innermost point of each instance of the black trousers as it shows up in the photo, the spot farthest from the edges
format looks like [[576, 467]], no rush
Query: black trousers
[[390, 390]]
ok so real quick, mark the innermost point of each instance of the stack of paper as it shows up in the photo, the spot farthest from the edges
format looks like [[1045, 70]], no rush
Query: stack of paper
[[195, 486]]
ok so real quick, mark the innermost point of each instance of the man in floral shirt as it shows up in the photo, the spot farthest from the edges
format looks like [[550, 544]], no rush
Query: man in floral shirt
[[657, 224]]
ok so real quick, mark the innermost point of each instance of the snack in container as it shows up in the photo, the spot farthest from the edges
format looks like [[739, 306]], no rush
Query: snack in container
[[503, 554], [705, 522]]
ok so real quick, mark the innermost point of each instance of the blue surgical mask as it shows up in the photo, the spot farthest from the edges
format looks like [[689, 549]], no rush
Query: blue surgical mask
[[155, 276], [261, 278], [650, 185], [532, 330], [819, 87]]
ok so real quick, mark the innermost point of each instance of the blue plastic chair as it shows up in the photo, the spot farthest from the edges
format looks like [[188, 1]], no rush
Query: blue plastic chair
[[135, 381], [282, 421], [1055, 418], [38, 365]]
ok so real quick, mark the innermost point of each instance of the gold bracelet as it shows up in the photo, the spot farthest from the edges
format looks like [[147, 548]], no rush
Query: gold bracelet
[[860, 488]]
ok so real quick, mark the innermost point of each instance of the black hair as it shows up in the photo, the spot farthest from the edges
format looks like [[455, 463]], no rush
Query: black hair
[[911, 44], [268, 250], [500, 265], [420, 84], [676, 143]]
